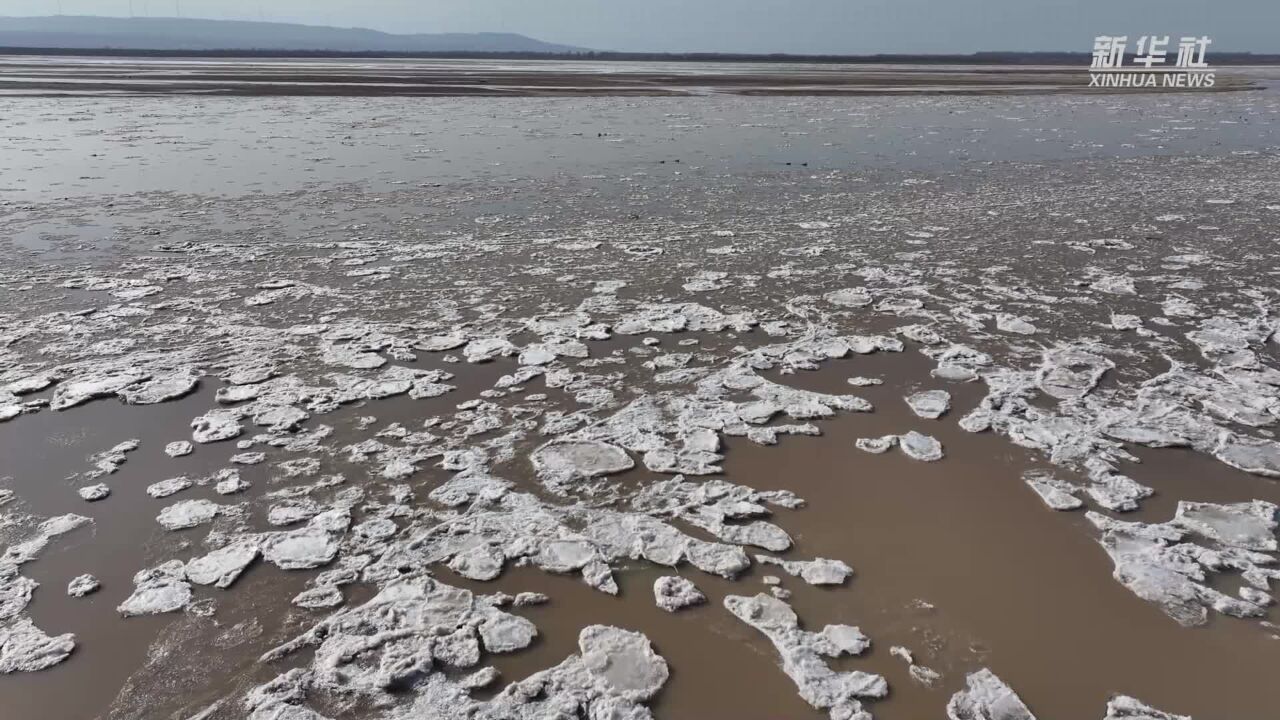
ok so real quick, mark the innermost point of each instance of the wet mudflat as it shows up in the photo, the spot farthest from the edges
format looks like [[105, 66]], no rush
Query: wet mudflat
[[987, 402], [98, 76]]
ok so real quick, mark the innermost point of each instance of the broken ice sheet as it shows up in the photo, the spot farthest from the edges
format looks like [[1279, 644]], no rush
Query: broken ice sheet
[[302, 549], [420, 626], [827, 299], [26, 648], [1249, 526], [165, 488], [162, 589], [162, 388], [1014, 324], [1070, 372], [1154, 562], [562, 461], [802, 653], [820, 571], [89, 387], [82, 585], [215, 426], [320, 597], [1123, 707], [1057, 494], [675, 593], [93, 493], [28, 549], [930, 404], [877, 446], [986, 697], [189, 513], [920, 447], [1253, 455], [221, 567]]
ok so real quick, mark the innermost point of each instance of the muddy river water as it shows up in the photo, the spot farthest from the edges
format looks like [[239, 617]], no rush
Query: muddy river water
[[715, 406]]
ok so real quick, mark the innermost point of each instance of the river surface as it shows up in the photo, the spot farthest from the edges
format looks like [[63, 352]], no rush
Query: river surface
[[435, 352]]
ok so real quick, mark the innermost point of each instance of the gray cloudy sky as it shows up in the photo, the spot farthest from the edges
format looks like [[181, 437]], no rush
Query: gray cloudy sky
[[818, 26]]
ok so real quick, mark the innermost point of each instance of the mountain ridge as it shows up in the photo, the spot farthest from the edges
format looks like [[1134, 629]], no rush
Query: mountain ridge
[[147, 33]]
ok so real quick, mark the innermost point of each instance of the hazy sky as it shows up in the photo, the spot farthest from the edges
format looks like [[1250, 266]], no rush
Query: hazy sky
[[819, 26]]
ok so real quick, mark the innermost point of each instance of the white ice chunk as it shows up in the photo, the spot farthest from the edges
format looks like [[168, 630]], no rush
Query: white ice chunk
[[986, 697], [673, 593], [920, 447], [930, 404]]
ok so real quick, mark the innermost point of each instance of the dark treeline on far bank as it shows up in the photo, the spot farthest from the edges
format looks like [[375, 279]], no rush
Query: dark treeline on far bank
[[980, 58]]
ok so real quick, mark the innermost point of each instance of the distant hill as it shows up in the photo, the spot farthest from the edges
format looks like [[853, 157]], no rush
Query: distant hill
[[86, 32]]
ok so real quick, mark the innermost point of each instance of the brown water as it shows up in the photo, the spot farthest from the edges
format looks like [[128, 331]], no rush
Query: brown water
[[1009, 584], [958, 561]]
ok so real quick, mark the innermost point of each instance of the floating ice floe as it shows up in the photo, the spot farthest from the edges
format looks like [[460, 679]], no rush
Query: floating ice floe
[[1014, 324], [441, 343], [1154, 562], [353, 357], [27, 550], [26, 648], [1057, 494], [919, 673], [1115, 285], [93, 493], [109, 461], [485, 349], [282, 418], [720, 508], [924, 675], [314, 545], [172, 486], [930, 404], [1252, 455], [1123, 707], [867, 344], [229, 482], [922, 334], [1120, 321], [162, 388], [82, 585], [1248, 526], [420, 626], [562, 461], [162, 589], [986, 697], [820, 571], [517, 526], [802, 653], [877, 446], [319, 597], [84, 388], [189, 513], [1070, 372], [959, 363], [920, 447], [291, 512], [223, 566], [215, 426], [673, 593], [849, 297]]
